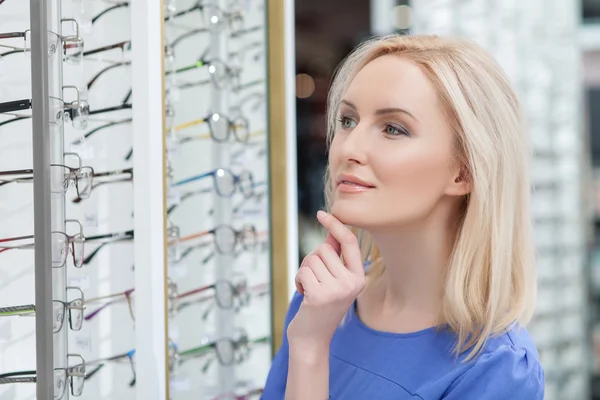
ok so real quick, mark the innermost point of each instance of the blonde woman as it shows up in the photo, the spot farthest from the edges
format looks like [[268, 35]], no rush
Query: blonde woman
[[427, 186]]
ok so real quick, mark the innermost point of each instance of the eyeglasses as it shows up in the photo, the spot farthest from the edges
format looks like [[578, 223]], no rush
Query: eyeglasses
[[76, 111], [227, 350], [227, 238], [62, 245], [113, 238], [225, 293], [72, 44], [127, 295], [214, 18], [221, 128], [125, 175], [75, 374], [129, 356], [225, 182], [62, 177], [59, 308], [222, 75]]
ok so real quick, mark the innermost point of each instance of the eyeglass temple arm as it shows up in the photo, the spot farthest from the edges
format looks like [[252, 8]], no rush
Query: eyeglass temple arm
[[11, 239], [110, 109], [114, 173], [109, 9], [196, 6], [121, 45], [91, 256], [16, 310], [15, 105], [16, 172], [15, 119], [187, 196], [96, 184], [127, 96], [103, 71], [194, 178]]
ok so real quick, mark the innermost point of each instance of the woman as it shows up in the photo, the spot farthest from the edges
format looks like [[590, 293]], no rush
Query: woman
[[428, 166]]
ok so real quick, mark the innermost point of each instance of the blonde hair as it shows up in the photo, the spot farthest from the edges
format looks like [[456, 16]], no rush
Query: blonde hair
[[490, 281]]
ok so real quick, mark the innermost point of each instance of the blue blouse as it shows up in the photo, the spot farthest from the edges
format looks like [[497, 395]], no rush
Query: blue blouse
[[366, 364]]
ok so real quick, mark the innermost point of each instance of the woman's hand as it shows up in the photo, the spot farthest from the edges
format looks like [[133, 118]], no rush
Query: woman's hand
[[329, 286]]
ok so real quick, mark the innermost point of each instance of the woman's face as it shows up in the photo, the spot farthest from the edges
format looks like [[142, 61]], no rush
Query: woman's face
[[392, 159]]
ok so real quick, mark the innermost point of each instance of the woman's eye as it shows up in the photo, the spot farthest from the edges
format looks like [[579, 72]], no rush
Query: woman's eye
[[394, 131], [347, 123]]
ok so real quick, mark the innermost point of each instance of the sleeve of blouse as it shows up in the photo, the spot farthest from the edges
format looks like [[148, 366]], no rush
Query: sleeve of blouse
[[506, 373], [277, 378]]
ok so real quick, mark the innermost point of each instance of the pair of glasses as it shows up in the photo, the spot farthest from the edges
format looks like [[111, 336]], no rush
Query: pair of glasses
[[72, 45], [214, 18], [225, 182], [112, 238], [62, 177], [127, 296], [228, 351], [222, 75], [226, 239], [114, 299], [226, 294], [122, 175], [62, 245], [220, 127], [102, 362], [60, 309], [74, 375], [76, 111]]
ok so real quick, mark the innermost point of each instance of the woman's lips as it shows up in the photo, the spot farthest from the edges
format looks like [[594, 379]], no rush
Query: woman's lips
[[352, 187]]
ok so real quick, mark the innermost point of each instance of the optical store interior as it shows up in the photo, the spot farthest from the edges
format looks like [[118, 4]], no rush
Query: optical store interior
[[162, 162]]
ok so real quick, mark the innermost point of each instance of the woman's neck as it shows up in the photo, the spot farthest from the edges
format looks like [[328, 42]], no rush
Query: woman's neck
[[408, 295]]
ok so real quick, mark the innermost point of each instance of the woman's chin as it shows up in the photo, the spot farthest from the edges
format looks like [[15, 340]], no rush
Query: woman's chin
[[350, 214]]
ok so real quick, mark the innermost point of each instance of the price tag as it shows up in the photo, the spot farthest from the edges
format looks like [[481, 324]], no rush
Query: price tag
[[178, 269], [83, 341], [83, 149], [180, 383], [172, 146], [173, 197], [82, 281], [85, 25], [90, 219], [174, 332]]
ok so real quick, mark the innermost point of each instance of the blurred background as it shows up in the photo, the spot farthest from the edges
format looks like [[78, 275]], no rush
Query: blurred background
[[551, 52]]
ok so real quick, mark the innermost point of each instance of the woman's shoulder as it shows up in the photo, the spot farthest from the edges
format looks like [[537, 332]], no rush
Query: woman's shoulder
[[507, 368]]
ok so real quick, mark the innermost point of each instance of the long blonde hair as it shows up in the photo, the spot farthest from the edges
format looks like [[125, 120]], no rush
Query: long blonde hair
[[490, 281]]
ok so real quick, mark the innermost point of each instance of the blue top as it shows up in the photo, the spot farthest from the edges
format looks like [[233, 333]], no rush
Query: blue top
[[366, 364]]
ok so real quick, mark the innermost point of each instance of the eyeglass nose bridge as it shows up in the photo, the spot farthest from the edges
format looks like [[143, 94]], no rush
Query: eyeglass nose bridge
[[76, 156], [75, 37], [75, 221]]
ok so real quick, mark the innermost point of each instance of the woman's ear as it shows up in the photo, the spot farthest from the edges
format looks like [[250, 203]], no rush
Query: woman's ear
[[461, 184]]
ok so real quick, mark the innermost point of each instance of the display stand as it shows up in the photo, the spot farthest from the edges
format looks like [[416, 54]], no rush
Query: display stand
[[161, 205]]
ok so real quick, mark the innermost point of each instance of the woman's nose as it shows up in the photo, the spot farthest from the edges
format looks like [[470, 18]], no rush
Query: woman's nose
[[355, 146]]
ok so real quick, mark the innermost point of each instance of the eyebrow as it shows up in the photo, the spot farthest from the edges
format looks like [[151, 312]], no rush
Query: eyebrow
[[383, 111]]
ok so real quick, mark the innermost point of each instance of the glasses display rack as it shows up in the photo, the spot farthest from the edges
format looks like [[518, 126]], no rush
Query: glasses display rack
[[154, 269], [218, 198], [536, 44]]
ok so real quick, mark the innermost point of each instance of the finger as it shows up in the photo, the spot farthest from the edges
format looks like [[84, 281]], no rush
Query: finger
[[335, 245], [332, 260], [346, 239], [319, 269], [299, 286], [308, 280]]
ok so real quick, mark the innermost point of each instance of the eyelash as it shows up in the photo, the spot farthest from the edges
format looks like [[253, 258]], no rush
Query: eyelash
[[398, 130]]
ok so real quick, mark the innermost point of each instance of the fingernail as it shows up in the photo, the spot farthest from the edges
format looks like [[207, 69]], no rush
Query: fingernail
[[321, 214]]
